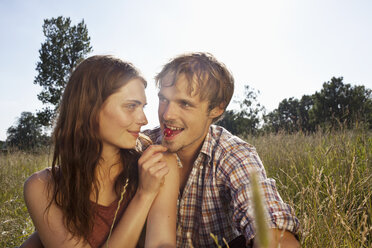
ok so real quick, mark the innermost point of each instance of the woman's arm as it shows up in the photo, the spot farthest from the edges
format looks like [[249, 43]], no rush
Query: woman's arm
[[49, 224], [161, 222], [51, 229], [152, 170]]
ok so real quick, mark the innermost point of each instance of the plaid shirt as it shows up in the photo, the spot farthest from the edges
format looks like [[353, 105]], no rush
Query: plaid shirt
[[217, 195]]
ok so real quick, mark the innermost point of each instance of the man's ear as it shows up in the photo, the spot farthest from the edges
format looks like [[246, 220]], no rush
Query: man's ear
[[216, 112]]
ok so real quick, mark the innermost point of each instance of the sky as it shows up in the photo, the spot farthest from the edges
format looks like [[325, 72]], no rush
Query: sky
[[281, 48]]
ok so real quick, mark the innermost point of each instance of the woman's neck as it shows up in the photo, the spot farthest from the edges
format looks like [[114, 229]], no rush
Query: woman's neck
[[107, 171], [109, 156], [109, 166]]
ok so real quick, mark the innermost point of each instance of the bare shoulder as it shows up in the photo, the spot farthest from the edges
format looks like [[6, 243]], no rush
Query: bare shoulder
[[171, 159], [39, 178], [172, 177], [37, 183]]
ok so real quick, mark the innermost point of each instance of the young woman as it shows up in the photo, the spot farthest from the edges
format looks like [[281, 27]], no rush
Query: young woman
[[95, 164]]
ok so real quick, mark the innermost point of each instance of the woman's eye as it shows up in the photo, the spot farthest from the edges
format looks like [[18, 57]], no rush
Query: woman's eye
[[131, 106]]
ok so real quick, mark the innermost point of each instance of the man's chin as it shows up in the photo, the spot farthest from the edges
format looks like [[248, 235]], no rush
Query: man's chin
[[170, 146], [173, 150]]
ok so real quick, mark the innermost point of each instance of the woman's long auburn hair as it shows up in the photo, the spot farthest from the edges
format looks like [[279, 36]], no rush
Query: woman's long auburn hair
[[77, 143]]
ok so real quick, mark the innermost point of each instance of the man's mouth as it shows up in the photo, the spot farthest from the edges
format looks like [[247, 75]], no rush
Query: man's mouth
[[170, 131]]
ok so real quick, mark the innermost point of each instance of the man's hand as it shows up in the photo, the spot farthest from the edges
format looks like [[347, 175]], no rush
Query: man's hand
[[281, 239]]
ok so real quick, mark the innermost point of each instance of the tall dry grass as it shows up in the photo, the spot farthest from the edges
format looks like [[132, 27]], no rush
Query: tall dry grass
[[326, 177]]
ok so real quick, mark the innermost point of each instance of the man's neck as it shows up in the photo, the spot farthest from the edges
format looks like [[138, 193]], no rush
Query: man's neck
[[187, 158], [189, 154]]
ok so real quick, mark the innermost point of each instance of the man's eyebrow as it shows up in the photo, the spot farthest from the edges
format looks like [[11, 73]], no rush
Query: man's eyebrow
[[192, 104], [180, 100]]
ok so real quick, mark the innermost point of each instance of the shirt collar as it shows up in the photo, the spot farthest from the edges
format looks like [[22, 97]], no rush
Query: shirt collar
[[208, 144]]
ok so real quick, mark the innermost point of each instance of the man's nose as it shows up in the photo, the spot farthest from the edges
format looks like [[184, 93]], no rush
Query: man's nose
[[169, 112]]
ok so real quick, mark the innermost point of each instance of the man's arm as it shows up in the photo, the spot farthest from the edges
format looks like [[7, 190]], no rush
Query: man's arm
[[237, 166]]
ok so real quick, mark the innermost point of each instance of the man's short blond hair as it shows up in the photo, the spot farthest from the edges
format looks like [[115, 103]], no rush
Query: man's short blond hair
[[213, 80]]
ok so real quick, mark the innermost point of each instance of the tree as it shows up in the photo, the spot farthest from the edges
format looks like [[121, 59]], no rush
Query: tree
[[272, 122], [65, 46], [336, 103], [306, 104], [247, 119], [292, 115], [341, 103], [361, 102], [27, 133], [229, 121], [288, 114]]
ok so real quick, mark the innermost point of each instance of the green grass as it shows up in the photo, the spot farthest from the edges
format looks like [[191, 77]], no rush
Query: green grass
[[15, 223], [326, 177]]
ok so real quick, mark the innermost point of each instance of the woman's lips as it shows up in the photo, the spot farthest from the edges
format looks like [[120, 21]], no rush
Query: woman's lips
[[134, 133]]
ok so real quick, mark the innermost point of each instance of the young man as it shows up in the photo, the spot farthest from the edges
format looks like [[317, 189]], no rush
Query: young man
[[215, 192]]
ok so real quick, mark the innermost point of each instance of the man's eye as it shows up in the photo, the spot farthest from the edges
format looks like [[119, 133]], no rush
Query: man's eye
[[162, 99], [185, 104]]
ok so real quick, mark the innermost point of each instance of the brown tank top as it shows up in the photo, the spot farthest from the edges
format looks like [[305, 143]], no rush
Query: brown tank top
[[104, 215]]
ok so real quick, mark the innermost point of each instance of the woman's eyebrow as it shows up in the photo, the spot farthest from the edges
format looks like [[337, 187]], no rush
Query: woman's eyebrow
[[135, 101]]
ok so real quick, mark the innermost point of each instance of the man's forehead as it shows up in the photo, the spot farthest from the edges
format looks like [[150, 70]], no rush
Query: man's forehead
[[171, 78], [168, 79], [181, 83]]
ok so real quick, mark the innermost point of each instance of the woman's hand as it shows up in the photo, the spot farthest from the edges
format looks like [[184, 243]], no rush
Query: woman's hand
[[152, 169]]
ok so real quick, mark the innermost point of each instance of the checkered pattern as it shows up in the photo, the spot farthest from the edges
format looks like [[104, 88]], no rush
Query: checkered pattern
[[217, 195]]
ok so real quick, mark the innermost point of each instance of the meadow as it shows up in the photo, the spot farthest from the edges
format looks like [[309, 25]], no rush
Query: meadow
[[326, 177]]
